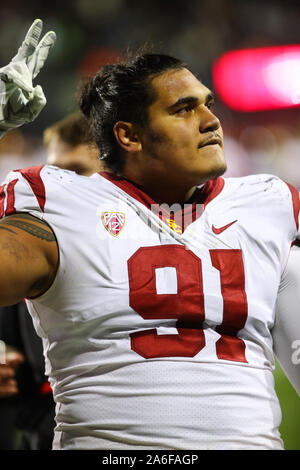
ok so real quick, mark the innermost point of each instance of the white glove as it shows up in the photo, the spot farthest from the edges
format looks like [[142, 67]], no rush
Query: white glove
[[19, 101]]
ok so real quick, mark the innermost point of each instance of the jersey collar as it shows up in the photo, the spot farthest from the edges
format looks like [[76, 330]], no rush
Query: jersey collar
[[178, 220]]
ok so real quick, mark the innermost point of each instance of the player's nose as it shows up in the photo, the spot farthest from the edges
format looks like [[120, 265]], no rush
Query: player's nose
[[209, 122]]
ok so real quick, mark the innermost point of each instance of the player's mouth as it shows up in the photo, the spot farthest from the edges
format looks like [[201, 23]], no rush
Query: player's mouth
[[213, 140]]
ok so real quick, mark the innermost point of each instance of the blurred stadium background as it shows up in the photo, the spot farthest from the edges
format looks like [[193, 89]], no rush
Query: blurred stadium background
[[93, 32]]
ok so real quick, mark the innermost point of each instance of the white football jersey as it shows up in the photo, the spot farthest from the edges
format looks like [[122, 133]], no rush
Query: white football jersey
[[157, 328]]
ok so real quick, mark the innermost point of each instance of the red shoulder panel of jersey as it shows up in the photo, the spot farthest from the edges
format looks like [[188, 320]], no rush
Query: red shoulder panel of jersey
[[10, 204], [33, 177], [296, 203]]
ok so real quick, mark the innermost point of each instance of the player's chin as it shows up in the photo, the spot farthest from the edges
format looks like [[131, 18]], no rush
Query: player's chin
[[219, 170], [211, 171]]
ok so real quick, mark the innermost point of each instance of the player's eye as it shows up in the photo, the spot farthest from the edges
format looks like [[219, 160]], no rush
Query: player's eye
[[210, 104], [184, 110]]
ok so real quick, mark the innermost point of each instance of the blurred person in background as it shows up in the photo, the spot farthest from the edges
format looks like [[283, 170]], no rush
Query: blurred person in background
[[12, 152], [136, 356], [70, 145], [26, 402]]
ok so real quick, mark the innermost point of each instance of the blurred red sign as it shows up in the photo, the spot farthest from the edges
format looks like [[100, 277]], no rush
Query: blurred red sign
[[259, 79]]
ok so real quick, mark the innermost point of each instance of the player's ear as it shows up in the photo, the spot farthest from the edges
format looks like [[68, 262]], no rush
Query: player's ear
[[127, 136]]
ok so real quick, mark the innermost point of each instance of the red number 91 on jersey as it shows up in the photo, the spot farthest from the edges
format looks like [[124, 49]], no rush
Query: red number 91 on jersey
[[187, 305]]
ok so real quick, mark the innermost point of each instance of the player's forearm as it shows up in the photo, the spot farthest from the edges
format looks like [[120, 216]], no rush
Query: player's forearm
[[286, 332]]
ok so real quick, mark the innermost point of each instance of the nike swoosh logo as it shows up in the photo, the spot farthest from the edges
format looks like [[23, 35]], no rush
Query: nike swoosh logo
[[217, 231]]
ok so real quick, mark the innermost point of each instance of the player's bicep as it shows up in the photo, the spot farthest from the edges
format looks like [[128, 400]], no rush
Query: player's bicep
[[28, 258]]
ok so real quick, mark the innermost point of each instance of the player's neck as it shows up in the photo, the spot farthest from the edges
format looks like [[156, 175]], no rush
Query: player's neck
[[163, 195], [162, 192]]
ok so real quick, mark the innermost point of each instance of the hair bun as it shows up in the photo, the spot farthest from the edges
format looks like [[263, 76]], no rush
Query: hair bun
[[87, 97]]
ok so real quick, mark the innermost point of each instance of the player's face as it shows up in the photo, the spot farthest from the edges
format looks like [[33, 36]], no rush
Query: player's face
[[184, 138]]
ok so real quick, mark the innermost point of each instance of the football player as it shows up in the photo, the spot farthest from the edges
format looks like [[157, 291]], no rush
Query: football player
[[153, 284]]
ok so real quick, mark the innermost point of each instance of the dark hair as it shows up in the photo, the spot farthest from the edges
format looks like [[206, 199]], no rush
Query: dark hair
[[72, 130], [121, 92]]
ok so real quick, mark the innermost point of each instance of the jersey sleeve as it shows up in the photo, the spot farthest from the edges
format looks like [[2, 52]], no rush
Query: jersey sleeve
[[23, 191], [286, 330]]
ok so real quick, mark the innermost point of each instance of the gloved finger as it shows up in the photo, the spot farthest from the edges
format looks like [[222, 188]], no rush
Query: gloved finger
[[18, 100], [3, 103], [16, 74], [36, 104], [30, 42], [36, 62], [5, 96], [26, 114]]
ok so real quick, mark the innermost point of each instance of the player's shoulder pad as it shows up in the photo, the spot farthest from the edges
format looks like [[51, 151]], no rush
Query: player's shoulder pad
[[276, 193], [26, 190], [266, 184], [54, 173]]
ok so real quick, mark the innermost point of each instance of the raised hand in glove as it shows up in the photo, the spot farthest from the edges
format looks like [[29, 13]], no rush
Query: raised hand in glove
[[20, 102]]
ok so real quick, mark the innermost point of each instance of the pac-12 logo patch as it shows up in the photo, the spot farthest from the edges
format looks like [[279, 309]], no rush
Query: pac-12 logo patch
[[113, 222]]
